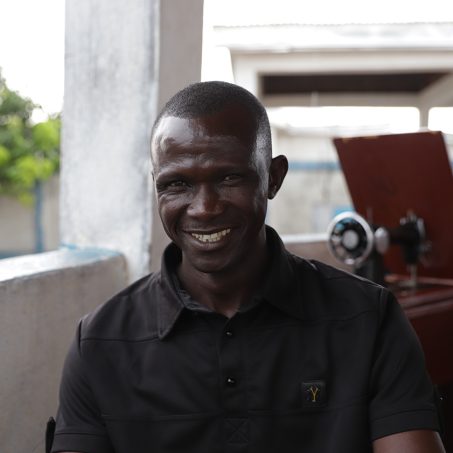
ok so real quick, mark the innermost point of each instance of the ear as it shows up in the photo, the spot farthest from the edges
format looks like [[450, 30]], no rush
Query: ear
[[277, 173]]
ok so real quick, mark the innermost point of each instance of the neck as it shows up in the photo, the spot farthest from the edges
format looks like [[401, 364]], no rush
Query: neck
[[224, 292]]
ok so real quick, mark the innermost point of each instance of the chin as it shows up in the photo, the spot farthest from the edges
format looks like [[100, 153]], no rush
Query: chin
[[207, 266]]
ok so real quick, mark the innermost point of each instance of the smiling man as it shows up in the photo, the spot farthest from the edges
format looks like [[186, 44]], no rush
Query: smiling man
[[213, 178], [236, 345]]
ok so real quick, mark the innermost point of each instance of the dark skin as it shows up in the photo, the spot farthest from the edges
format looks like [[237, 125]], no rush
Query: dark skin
[[418, 441], [212, 185]]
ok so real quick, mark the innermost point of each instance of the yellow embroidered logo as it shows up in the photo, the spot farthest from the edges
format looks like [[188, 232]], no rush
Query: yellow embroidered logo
[[314, 393]]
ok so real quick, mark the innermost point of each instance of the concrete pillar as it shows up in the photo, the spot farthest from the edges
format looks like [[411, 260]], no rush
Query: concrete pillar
[[122, 60], [424, 116], [181, 35]]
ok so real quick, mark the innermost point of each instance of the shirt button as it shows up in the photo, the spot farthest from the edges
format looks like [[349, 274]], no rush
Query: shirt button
[[230, 381], [228, 333]]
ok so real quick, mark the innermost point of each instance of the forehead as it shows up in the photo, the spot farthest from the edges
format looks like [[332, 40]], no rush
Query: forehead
[[232, 127]]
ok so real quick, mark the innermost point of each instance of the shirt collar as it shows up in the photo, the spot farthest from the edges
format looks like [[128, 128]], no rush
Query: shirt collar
[[286, 283], [169, 305], [289, 280]]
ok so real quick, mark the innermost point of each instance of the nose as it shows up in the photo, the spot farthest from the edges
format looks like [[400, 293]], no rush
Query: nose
[[205, 204]]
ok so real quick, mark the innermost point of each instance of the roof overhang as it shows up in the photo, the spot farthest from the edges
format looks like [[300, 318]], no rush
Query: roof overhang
[[354, 64]]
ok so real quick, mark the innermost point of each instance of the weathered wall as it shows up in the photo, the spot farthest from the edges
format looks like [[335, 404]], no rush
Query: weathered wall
[[308, 201], [41, 299], [314, 188], [181, 33], [122, 61], [312, 246], [110, 84]]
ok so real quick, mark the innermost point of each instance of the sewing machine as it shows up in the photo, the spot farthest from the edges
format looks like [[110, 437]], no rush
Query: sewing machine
[[357, 243]]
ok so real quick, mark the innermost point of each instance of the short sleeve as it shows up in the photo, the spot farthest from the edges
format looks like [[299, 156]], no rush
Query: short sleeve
[[402, 397], [79, 426]]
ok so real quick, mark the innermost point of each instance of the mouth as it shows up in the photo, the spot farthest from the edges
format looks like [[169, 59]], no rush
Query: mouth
[[213, 237]]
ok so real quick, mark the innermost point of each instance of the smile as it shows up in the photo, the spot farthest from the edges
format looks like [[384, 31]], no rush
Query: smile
[[214, 237]]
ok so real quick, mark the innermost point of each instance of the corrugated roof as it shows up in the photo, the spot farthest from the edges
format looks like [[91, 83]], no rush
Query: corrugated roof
[[271, 12], [292, 37]]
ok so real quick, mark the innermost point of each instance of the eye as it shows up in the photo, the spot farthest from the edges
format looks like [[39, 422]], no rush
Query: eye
[[232, 178], [176, 184]]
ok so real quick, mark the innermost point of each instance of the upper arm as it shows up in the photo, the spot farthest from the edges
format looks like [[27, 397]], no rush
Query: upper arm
[[419, 441], [401, 393], [79, 425]]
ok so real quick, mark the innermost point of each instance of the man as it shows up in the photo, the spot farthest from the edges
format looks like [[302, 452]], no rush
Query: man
[[237, 345]]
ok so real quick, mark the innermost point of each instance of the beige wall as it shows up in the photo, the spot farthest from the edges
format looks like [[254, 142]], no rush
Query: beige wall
[[39, 310], [17, 227], [309, 196]]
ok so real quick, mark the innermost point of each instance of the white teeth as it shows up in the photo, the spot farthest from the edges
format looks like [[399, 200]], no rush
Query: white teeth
[[214, 237]]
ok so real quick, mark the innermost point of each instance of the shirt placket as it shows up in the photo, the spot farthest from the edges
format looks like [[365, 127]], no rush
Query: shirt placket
[[236, 423]]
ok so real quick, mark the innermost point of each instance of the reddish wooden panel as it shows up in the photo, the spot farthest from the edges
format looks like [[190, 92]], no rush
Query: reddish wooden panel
[[388, 175], [430, 310]]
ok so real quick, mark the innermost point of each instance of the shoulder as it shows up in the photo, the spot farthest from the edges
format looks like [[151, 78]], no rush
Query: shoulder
[[129, 315], [328, 291]]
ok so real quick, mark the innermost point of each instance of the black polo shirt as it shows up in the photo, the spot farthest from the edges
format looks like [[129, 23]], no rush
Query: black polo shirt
[[320, 361]]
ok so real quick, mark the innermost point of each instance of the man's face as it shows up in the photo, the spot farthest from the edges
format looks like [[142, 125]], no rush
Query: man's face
[[212, 188]]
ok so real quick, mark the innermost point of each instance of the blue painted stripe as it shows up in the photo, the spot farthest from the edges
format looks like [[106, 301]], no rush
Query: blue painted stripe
[[13, 253], [38, 211], [88, 252], [320, 165], [315, 165], [79, 253], [338, 209]]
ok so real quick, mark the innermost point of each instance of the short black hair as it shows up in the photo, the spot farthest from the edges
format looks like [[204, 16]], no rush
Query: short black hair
[[206, 98]]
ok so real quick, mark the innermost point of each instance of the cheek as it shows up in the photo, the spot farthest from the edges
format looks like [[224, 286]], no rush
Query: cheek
[[260, 206], [169, 210], [252, 204]]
